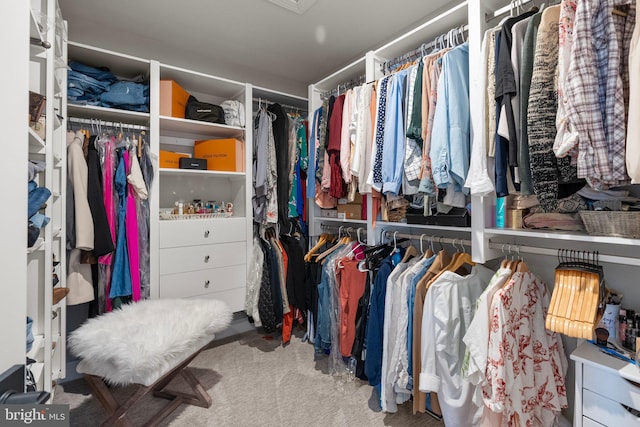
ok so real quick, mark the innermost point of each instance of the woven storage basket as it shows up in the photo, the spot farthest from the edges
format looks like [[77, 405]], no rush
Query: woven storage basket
[[612, 223]]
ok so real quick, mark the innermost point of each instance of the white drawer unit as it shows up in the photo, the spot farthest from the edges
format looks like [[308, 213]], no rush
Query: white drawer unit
[[607, 389], [204, 282], [202, 232], [190, 258]]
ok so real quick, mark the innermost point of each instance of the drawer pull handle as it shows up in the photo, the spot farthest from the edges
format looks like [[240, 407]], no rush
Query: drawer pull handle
[[206, 258], [206, 234], [631, 410], [206, 284]]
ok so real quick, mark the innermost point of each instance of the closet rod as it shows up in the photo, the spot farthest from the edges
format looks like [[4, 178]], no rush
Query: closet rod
[[357, 81], [290, 107], [421, 50], [614, 259], [506, 9], [99, 122], [437, 239], [343, 227]]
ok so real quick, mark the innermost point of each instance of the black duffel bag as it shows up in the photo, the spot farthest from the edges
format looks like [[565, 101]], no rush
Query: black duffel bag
[[202, 111]]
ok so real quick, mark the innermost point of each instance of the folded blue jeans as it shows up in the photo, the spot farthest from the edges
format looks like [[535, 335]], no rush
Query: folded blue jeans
[[101, 74], [76, 80], [126, 93], [36, 198]]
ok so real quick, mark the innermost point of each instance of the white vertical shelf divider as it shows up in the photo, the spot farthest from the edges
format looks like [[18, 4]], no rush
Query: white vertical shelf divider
[[154, 204]]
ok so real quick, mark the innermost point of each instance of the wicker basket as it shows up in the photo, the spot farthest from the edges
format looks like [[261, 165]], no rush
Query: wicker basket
[[612, 223]]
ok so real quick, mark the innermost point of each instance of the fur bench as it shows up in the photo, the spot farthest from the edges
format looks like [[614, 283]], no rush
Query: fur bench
[[147, 343]]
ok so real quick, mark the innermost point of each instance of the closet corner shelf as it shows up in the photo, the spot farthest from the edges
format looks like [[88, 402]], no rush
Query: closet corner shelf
[[37, 246], [384, 224], [38, 344], [37, 369], [36, 144], [108, 114], [185, 128], [34, 28], [561, 235], [202, 173]]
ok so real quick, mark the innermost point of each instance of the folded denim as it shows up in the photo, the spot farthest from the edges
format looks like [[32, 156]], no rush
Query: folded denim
[[39, 220], [103, 74], [35, 166], [86, 83], [36, 198], [126, 93]]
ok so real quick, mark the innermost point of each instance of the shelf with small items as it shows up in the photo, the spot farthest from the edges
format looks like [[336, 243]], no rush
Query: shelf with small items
[[186, 128]]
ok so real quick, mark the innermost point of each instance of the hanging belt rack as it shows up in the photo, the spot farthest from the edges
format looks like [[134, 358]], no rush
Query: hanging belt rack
[[98, 122], [615, 259], [421, 51], [342, 87]]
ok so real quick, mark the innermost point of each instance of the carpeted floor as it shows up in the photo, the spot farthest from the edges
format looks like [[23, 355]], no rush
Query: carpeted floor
[[255, 381]]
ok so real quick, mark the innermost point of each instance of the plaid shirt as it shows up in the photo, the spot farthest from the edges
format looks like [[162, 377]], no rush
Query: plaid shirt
[[600, 40]]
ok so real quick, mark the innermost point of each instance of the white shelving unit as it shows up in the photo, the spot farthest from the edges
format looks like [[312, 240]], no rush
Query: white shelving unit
[[192, 251], [47, 71]]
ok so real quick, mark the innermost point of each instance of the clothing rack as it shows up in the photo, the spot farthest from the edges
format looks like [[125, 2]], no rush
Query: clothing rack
[[439, 240], [342, 87], [421, 51], [285, 106], [517, 249], [513, 5], [98, 122]]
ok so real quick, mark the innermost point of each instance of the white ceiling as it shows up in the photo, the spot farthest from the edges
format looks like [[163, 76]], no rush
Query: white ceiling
[[246, 40]]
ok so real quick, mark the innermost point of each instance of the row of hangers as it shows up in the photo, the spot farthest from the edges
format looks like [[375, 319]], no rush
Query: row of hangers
[[127, 135], [450, 39], [343, 87]]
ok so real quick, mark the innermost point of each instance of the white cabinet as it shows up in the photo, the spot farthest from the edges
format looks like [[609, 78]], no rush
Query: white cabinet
[[46, 258], [607, 389], [203, 257]]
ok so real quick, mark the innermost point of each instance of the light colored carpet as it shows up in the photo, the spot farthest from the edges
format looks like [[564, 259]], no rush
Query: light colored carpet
[[254, 381]]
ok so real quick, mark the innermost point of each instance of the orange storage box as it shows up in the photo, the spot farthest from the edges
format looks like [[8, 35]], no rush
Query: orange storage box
[[170, 159], [173, 99], [221, 154]]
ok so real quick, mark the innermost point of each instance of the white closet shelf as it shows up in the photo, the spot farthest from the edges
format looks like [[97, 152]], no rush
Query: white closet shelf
[[383, 224], [341, 220], [572, 236], [36, 144], [185, 128], [37, 369], [38, 344], [196, 82], [109, 114], [37, 246], [203, 173], [34, 28]]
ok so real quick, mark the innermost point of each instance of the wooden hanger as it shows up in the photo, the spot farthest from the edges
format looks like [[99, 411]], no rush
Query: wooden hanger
[[324, 238], [341, 242], [409, 253]]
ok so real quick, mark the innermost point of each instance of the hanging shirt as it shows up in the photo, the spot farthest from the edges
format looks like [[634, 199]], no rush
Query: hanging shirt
[[412, 151], [477, 337], [361, 166], [121, 277], [633, 129], [394, 134], [135, 188], [375, 176], [448, 310], [450, 149], [526, 364]]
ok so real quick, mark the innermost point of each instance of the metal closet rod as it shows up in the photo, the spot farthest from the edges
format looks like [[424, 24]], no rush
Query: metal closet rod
[[343, 227], [427, 237], [290, 107], [98, 122], [615, 259]]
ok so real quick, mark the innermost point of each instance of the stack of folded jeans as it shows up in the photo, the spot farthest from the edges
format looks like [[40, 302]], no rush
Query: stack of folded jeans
[[37, 197], [98, 86]]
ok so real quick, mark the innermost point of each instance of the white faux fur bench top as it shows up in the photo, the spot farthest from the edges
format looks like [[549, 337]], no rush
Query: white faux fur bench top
[[142, 341]]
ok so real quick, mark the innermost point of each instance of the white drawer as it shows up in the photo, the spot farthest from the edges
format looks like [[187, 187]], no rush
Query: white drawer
[[189, 258], [183, 285], [202, 232], [587, 422], [606, 411], [234, 298], [611, 385]]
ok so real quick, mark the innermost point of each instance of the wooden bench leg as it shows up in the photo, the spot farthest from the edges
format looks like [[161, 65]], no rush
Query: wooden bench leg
[[200, 397], [118, 412]]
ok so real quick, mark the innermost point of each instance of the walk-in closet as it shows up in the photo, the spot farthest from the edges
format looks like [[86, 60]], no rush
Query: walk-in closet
[[323, 213]]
